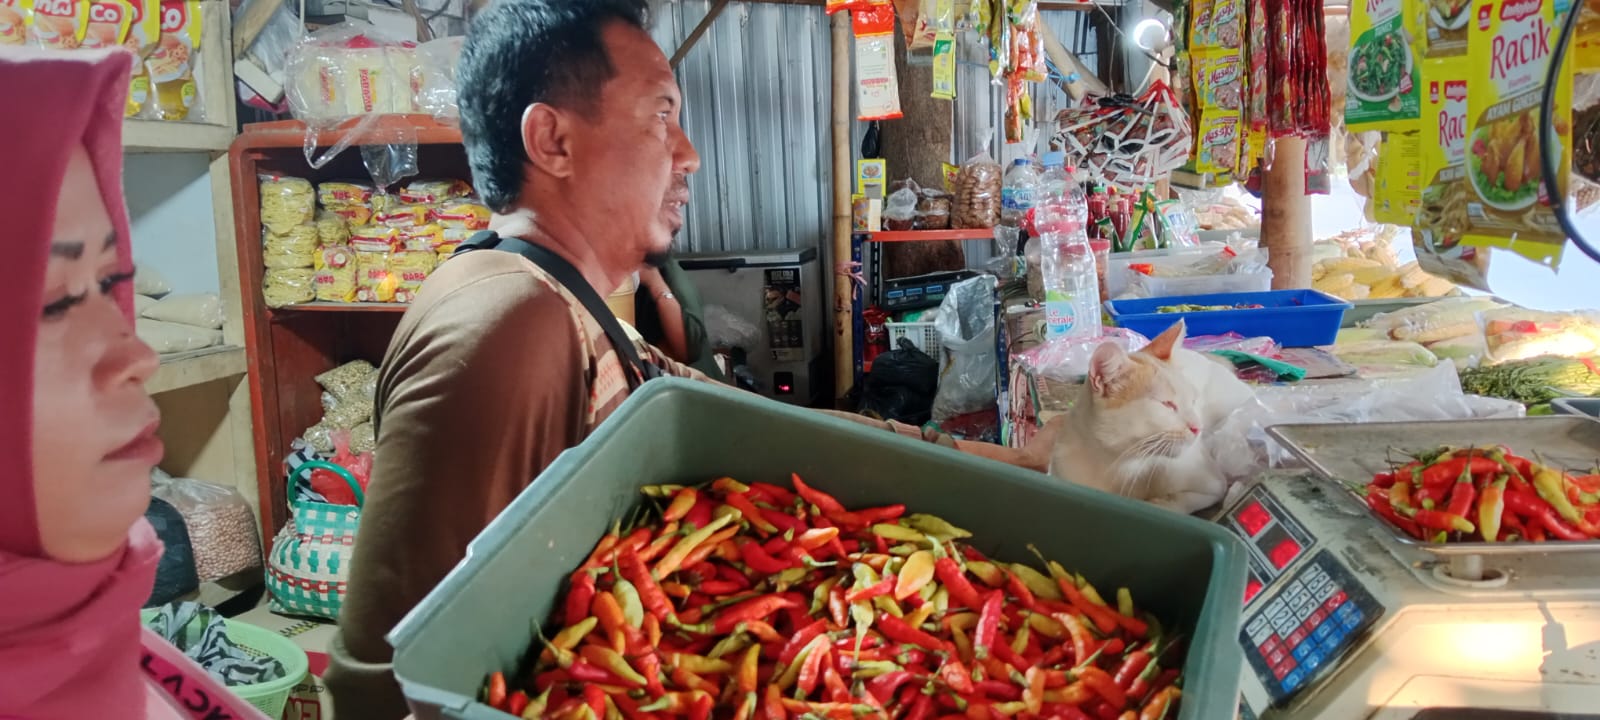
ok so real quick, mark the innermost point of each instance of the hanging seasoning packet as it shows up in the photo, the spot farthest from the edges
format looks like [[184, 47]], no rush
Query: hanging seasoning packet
[[1508, 55], [58, 24], [1382, 92], [1446, 26], [877, 87], [944, 66], [144, 31], [13, 21], [108, 24], [1442, 208], [172, 64]]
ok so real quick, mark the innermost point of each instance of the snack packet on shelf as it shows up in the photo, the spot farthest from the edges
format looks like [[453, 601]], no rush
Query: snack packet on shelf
[[375, 239], [425, 238], [433, 192], [463, 213], [374, 281], [354, 216], [293, 249], [335, 278], [1382, 92], [108, 24], [282, 287], [402, 216], [173, 65], [344, 194], [285, 202], [332, 230], [411, 267], [58, 24], [144, 32], [14, 21]]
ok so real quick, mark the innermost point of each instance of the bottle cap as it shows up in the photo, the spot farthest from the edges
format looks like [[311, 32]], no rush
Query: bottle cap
[[1021, 161]]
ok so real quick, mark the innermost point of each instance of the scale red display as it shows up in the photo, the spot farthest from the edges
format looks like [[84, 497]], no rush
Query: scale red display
[[1270, 534]]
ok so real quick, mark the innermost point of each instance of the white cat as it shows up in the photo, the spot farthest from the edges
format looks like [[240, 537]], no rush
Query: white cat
[[1137, 428]]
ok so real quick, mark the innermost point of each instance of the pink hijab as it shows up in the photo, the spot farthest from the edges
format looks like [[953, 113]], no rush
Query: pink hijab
[[69, 633]]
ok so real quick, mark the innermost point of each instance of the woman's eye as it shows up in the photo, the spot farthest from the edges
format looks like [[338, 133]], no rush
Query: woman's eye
[[56, 310], [109, 284], [1170, 405]]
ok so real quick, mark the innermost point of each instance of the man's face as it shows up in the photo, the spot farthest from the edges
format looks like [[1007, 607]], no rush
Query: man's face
[[633, 158]]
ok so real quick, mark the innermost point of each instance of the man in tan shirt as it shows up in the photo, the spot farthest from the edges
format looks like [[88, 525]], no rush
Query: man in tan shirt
[[569, 113]]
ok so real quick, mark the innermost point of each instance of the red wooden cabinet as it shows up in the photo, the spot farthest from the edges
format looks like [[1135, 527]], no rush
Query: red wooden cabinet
[[287, 347]]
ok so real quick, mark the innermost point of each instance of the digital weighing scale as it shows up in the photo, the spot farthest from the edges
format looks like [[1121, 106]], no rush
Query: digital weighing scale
[[1341, 621]]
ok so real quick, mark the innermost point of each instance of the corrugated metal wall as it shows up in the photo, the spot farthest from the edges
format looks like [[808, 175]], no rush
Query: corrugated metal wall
[[756, 104], [757, 91]]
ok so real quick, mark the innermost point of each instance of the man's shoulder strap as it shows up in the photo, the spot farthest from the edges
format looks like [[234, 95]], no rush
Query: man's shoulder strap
[[563, 272]]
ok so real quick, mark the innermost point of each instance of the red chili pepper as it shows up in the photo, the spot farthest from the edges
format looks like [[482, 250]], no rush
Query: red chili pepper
[[1020, 591], [755, 608], [884, 687], [1104, 618], [1382, 480], [1379, 502], [1560, 528], [1103, 685], [719, 587], [811, 669], [1131, 667], [884, 587], [759, 560], [595, 698], [495, 694], [824, 502], [800, 639], [960, 589], [956, 675], [897, 630], [1003, 691], [880, 514], [784, 523], [578, 598], [751, 513], [988, 625], [922, 709], [1436, 520], [681, 503], [1005, 654], [1448, 471], [774, 494], [700, 515], [655, 600], [1461, 497], [582, 672], [517, 703]]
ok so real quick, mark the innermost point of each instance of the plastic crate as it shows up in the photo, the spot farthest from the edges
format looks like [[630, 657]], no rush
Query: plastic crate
[[1294, 318], [479, 620], [921, 334], [1577, 406]]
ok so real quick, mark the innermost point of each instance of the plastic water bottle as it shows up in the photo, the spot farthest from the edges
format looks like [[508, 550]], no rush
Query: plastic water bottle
[[1017, 193], [1054, 180], [1071, 281]]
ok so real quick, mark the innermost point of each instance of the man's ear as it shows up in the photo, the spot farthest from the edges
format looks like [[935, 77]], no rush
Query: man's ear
[[545, 141]]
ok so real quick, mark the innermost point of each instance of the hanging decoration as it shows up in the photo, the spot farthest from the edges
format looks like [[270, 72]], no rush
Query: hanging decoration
[[1127, 142]]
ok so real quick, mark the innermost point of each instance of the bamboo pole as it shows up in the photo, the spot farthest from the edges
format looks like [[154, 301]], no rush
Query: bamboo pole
[[1286, 215], [844, 365]]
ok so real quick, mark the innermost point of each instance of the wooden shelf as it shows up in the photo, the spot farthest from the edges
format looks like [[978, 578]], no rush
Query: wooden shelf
[[188, 369], [342, 307], [930, 235], [153, 136], [419, 129]]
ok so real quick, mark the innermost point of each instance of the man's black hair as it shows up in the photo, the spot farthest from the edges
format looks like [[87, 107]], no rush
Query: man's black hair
[[521, 52]]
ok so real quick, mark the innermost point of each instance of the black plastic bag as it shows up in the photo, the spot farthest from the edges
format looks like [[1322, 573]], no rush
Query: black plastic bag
[[175, 574], [901, 386]]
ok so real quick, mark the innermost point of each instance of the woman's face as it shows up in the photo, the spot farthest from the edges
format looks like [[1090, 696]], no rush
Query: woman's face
[[94, 427]]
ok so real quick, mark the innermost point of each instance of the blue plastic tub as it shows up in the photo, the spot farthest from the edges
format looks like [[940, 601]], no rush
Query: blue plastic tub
[[1294, 318]]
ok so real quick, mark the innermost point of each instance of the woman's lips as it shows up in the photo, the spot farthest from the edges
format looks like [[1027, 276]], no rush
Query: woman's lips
[[146, 447]]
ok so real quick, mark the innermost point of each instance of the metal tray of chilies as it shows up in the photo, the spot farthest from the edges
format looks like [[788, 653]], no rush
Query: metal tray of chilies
[[1349, 454]]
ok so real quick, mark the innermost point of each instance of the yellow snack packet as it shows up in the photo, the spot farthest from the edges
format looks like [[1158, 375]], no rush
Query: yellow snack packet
[[1508, 54], [411, 268], [172, 64], [109, 21], [58, 24], [144, 31], [14, 21], [374, 281]]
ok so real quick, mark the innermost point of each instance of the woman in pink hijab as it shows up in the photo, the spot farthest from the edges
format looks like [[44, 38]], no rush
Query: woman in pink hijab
[[77, 558]]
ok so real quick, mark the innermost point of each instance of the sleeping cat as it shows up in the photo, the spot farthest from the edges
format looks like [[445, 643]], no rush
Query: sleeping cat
[[1137, 428]]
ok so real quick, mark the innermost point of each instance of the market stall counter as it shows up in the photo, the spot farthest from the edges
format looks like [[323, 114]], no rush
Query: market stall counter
[[1187, 573]]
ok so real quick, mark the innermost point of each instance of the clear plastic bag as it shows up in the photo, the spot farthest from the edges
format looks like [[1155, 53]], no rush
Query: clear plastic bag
[[222, 527], [1513, 333], [977, 193], [1435, 321], [167, 337], [967, 366], [345, 76], [202, 310], [900, 211], [288, 286], [1241, 448], [347, 381], [435, 77], [1067, 360]]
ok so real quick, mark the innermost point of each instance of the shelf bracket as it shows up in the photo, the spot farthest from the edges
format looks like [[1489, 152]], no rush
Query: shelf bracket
[[699, 30]]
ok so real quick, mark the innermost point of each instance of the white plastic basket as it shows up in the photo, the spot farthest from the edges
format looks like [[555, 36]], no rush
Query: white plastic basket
[[922, 334]]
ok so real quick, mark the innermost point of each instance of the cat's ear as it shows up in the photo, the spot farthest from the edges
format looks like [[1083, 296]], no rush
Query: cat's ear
[[1104, 367], [1162, 346]]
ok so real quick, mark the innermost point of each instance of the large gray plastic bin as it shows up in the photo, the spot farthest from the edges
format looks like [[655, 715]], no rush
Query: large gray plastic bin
[[480, 619]]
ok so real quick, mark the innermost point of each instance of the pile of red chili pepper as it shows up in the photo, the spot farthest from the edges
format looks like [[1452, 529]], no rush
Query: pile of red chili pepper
[[1487, 495], [757, 601]]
